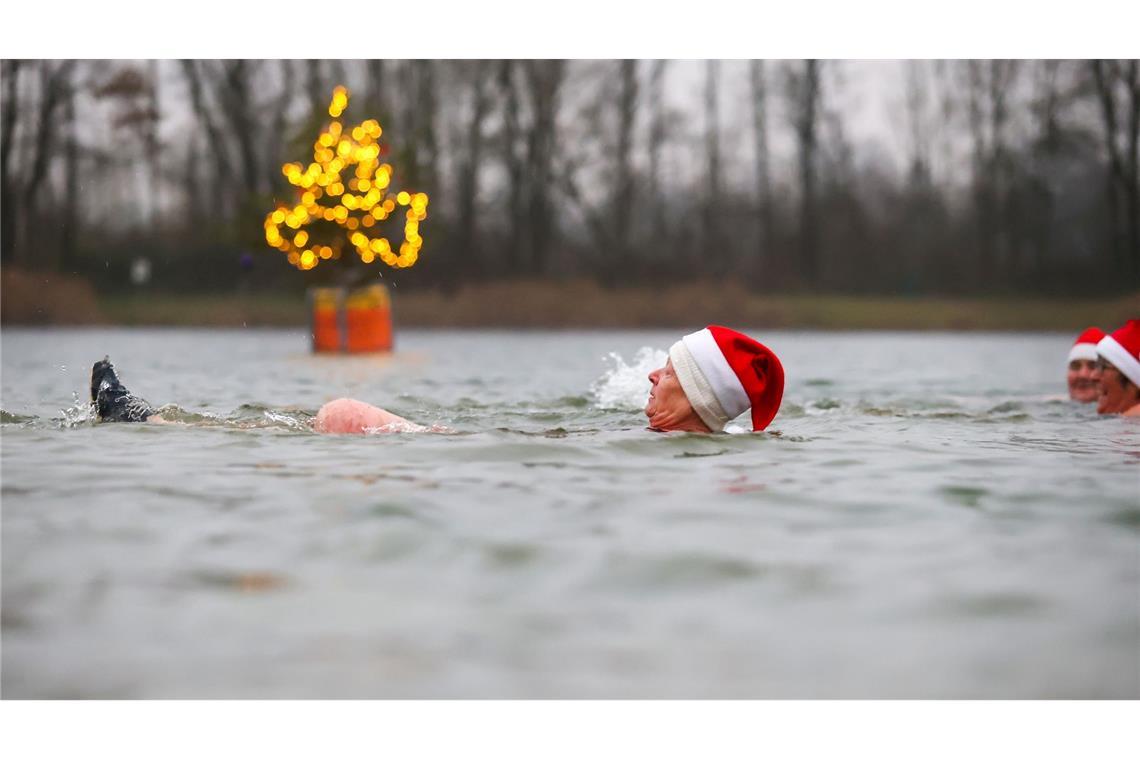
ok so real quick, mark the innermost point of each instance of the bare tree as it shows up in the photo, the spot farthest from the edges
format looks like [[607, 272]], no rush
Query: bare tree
[[467, 186], [317, 88], [427, 98], [656, 98], [83, 144], [1047, 104], [514, 163], [804, 99], [918, 128], [765, 239], [9, 109], [236, 101], [377, 87], [149, 128], [712, 243], [223, 173], [277, 138], [69, 231], [54, 84], [622, 203], [222, 96], [1118, 90], [988, 85], [544, 83]]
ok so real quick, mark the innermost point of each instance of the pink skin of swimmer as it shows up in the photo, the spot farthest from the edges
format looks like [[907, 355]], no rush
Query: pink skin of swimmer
[[349, 416]]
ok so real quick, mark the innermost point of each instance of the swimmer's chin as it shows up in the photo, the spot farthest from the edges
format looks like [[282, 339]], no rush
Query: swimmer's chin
[[666, 426]]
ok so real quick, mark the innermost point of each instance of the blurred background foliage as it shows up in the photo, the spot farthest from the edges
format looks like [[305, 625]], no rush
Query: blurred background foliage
[[1002, 176]]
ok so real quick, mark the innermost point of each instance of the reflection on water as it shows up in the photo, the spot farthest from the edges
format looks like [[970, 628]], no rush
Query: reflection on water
[[925, 517]]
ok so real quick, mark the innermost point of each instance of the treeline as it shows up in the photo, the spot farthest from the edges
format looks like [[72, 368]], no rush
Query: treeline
[[1003, 176]]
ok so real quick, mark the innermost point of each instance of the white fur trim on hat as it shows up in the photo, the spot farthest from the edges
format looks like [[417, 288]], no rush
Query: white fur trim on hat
[[725, 384], [1129, 366], [1086, 351], [697, 387]]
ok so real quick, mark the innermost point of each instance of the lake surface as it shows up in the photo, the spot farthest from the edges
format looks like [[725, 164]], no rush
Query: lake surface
[[926, 517]]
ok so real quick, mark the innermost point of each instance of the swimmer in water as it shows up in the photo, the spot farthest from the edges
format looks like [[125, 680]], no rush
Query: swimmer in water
[[1118, 371], [711, 377], [114, 403], [1082, 373]]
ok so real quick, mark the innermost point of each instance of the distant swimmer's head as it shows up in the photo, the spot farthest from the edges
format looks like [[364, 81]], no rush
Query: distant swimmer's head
[[1118, 370], [712, 376], [1082, 377]]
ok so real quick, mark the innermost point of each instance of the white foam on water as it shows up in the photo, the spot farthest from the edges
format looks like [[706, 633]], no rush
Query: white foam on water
[[280, 418], [396, 427], [78, 414], [626, 385]]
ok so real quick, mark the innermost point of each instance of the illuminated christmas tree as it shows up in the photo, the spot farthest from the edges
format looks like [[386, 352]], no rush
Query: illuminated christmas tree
[[331, 212]]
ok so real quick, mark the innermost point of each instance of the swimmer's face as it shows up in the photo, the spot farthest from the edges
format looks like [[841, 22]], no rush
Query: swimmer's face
[[1117, 393], [1084, 385], [668, 407]]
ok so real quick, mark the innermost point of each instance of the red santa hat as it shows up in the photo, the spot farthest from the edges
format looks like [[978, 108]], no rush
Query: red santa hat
[[1122, 349], [1085, 345], [724, 372]]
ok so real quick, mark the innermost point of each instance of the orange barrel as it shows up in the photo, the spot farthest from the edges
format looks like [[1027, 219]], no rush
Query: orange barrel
[[368, 320], [325, 309]]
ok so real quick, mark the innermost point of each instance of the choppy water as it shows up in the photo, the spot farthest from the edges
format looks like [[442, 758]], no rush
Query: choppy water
[[926, 518]]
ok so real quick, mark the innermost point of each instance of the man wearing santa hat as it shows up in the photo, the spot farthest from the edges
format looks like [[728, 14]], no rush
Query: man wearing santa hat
[[1119, 371], [1083, 385], [711, 377]]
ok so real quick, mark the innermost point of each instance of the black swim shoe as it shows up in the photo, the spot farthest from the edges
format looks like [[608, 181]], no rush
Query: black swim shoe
[[114, 402]]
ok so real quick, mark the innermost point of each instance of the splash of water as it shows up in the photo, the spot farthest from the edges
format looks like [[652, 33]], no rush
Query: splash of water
[[398, 427], [626, 385], [80, 413]]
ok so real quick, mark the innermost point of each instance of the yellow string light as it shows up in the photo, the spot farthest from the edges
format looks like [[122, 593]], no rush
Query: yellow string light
[[358, 201]]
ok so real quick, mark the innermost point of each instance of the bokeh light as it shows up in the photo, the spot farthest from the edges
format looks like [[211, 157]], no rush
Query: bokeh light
[[358, 201]]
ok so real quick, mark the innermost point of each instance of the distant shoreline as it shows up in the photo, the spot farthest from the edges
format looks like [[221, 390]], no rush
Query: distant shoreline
[[35, 299]]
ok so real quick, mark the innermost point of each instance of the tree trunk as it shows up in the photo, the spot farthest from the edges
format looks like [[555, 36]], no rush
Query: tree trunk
[[223, 173], [1123, 186], [374, 67], [237, 102], [9, 198], [916, 93], [1133, 83], [544, 80], [319, 94], [713, 251], [54, 82], [515, 169], [427, 103], [278, 138], [70, 230], [983, 258], [1001, 74], [656, 144], [151, 146], [467, 190], [762, 266], [622, 203], [807, 112]]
